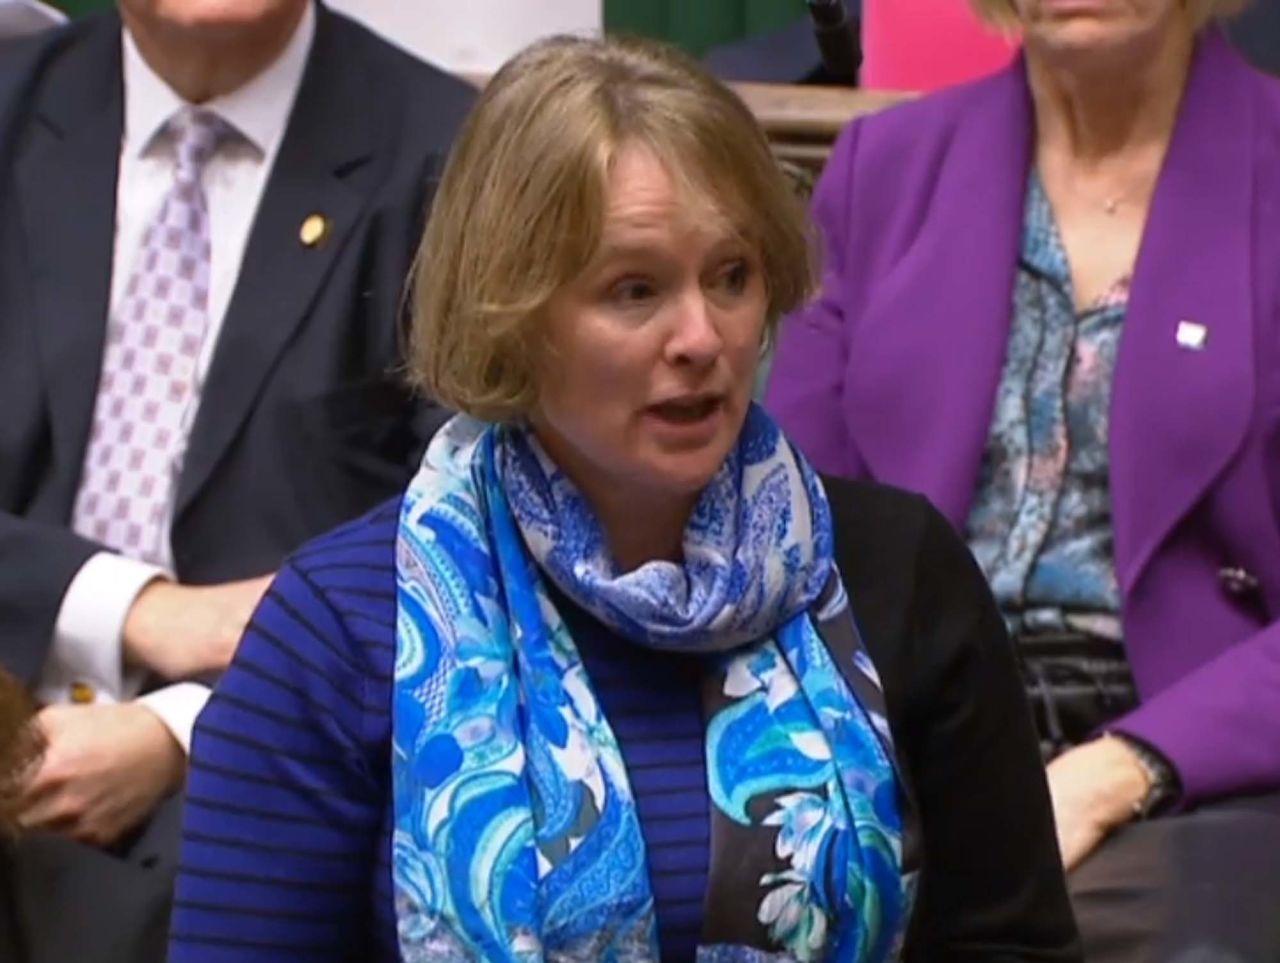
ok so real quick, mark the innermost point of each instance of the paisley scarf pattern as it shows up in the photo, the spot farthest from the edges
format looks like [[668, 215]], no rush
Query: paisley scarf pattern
[[516, 834]]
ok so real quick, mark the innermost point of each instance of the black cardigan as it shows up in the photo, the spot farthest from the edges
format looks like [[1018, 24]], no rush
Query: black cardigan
[[991, 886]]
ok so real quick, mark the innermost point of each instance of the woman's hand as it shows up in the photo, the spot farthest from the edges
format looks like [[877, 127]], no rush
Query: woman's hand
[[1096, 787]]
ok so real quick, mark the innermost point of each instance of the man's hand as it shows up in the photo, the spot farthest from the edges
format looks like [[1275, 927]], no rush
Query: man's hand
[[104, 769], [183, 631], [1096, 788]]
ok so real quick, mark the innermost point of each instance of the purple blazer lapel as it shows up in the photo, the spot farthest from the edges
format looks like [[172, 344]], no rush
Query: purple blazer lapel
[[930, 344], [1181, 408], [931, 340]]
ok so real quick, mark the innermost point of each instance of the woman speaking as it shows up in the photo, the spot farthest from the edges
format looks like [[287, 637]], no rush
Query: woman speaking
[[619, 677]]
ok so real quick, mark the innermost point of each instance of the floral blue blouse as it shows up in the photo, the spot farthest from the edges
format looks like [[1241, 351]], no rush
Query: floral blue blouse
[[1040, 525]]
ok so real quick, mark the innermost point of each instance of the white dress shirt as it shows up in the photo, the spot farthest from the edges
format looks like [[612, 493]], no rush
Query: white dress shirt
[[87, 643]]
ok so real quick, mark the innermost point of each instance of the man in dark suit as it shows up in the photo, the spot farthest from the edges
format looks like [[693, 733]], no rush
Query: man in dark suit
[[207, 212]]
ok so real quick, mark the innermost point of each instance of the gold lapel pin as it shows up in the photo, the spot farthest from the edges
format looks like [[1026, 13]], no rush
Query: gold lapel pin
[[315, 229], [1192, 335]]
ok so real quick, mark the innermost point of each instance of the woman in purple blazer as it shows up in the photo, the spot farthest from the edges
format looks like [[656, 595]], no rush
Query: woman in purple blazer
[[1051, 303]]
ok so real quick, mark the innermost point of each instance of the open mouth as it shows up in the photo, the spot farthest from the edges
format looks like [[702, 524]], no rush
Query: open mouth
[[688, 411]]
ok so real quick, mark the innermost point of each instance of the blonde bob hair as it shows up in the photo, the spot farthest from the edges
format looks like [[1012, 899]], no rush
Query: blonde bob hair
[[521, 204], [1001, 13]]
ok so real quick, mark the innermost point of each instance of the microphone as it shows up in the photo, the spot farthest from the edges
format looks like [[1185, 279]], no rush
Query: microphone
[[837, 38]]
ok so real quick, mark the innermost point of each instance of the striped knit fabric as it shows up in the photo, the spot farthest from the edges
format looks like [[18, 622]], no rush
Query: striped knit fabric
[[287, 838]]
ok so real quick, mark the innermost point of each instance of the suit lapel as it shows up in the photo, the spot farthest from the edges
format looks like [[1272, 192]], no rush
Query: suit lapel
[[328, 137], [1180, 412], [66, 182], [943, 314]]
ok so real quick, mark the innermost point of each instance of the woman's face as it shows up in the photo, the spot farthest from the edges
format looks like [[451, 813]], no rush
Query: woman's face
[[652, 350], [1099, 26]]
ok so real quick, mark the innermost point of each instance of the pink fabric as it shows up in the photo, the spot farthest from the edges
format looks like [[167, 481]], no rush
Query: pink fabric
[[926, 44]]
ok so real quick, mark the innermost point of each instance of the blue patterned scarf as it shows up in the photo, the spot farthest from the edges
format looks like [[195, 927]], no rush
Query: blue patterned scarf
[[516, 833]]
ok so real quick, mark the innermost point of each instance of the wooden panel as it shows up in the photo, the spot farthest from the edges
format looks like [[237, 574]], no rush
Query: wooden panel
[[803, 121], [809, 112]]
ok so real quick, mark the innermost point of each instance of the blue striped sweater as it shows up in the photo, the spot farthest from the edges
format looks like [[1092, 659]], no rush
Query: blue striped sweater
[[287, 836]]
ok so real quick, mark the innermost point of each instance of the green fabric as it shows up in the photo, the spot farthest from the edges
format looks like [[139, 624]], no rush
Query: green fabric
[[75, 8], [697, 25]]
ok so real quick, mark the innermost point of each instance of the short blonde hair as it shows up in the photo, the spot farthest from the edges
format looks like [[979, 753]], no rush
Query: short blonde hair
[[1001, 13], [521, 204]]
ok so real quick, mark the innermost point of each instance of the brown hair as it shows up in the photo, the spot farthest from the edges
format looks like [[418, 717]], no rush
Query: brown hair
[[520, 208], [20, 746]]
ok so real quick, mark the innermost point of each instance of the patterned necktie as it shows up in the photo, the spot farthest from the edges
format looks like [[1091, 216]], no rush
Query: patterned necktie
[[148, 388]]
